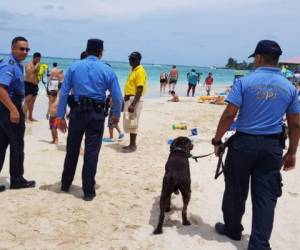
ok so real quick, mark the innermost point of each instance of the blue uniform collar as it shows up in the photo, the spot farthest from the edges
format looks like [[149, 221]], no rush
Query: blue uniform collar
[[91, 57], [15, 60], [268, 69]]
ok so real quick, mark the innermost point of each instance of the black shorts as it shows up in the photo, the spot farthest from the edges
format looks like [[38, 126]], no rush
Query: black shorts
[[31, 89], [173, 80], [163, 81]]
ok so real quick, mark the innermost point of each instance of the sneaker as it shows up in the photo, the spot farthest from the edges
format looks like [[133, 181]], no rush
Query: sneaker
[[121, 136], [221, 229]]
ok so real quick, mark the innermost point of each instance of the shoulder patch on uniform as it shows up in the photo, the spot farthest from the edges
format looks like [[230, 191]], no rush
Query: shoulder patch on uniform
[[12, 62], [9, 73]]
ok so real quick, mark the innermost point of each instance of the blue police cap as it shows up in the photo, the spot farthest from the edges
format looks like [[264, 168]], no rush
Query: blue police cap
[[94, 44], [267, 47]]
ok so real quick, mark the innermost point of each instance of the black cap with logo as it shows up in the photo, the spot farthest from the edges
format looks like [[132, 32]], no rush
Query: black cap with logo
[[267, 47], [94, 44]]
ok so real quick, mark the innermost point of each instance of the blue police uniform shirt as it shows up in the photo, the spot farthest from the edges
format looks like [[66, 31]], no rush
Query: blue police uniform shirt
[[90, 78], [263, 97], [12, 77]]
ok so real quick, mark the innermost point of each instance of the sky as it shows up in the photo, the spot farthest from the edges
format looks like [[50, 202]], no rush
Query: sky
[[182, 32]]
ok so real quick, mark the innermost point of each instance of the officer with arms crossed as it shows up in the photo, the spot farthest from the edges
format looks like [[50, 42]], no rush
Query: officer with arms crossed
[[12, 123], [262, 99], [89, 80]]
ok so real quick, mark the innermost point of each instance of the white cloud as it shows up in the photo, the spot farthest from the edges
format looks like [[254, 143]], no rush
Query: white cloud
[[132, 9]]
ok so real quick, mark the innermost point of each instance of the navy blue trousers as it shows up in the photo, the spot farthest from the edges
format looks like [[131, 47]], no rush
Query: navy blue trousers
[[92, 125], [255, 159], [13, 135]]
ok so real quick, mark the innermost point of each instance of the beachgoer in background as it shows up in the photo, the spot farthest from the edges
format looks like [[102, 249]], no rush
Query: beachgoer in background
[[255, 152], [134, 90], [173, 78], [218, 100], [31, 85], [12, 120], [89, 80], [193, 78], [208, 82], [296, 80], [52, 115], [110, 124], [174, 98], [163, 81], [55, 79]]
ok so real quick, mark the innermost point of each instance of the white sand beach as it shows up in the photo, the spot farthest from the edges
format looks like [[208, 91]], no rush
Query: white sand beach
[[125, 210]]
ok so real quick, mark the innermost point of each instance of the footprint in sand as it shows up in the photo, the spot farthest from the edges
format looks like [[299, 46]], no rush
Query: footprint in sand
[[293, 194]]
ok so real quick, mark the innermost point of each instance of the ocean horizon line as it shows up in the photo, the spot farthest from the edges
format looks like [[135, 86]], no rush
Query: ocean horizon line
[[116, 61]]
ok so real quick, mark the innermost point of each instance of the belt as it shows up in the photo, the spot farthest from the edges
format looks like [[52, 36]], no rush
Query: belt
[[271, 136]]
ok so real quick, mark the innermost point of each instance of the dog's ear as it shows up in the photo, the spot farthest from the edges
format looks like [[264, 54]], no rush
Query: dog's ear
[[175, 143], [172, 146]]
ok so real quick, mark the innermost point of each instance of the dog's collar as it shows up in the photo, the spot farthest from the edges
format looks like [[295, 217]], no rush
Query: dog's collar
[[181, 150]]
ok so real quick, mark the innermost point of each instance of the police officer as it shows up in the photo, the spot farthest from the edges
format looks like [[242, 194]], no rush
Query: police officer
[[12, 123], [89, 80], [262, 99]]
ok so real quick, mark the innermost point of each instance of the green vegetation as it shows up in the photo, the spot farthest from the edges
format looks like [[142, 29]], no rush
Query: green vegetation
[[234, 64]]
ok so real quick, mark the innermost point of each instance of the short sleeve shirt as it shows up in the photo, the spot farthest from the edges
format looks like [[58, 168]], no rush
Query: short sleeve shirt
[[137, 77], [12, 77], [263, 97]]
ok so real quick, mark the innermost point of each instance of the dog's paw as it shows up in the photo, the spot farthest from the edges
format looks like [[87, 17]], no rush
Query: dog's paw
[[186, 223], [168, 209], [158, 231]]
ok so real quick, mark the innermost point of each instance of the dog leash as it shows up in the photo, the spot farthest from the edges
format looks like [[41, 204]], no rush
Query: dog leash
[[221, 166], [201, 156]]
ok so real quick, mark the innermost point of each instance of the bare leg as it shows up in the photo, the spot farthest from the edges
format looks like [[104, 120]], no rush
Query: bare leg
[[111, 132], [30, 109], [160, 90], [189, 89], [132, 145], [118, 129], [193, 90], [54, 136], [26, 106]]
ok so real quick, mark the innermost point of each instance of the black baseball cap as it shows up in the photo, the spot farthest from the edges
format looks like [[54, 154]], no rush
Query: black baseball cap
[[94, 44], [267, 47], [135, 55]]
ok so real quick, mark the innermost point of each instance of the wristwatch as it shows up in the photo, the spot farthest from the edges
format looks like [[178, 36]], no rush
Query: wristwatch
[[215, 143]]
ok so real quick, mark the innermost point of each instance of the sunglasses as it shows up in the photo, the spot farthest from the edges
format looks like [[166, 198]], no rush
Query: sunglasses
[[24, 49]]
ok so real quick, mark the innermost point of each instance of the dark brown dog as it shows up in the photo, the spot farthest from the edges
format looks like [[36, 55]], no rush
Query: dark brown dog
[[177, 177]]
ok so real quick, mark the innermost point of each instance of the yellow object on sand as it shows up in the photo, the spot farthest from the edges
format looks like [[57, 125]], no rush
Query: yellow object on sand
[[206, 98], [220, 100], [181, 125], [42, 70]]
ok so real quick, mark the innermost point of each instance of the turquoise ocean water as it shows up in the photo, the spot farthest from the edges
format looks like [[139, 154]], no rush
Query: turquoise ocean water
[[222, 79]]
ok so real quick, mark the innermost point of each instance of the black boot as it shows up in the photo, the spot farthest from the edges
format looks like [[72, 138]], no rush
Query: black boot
[[221, 229], [21, 183]]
